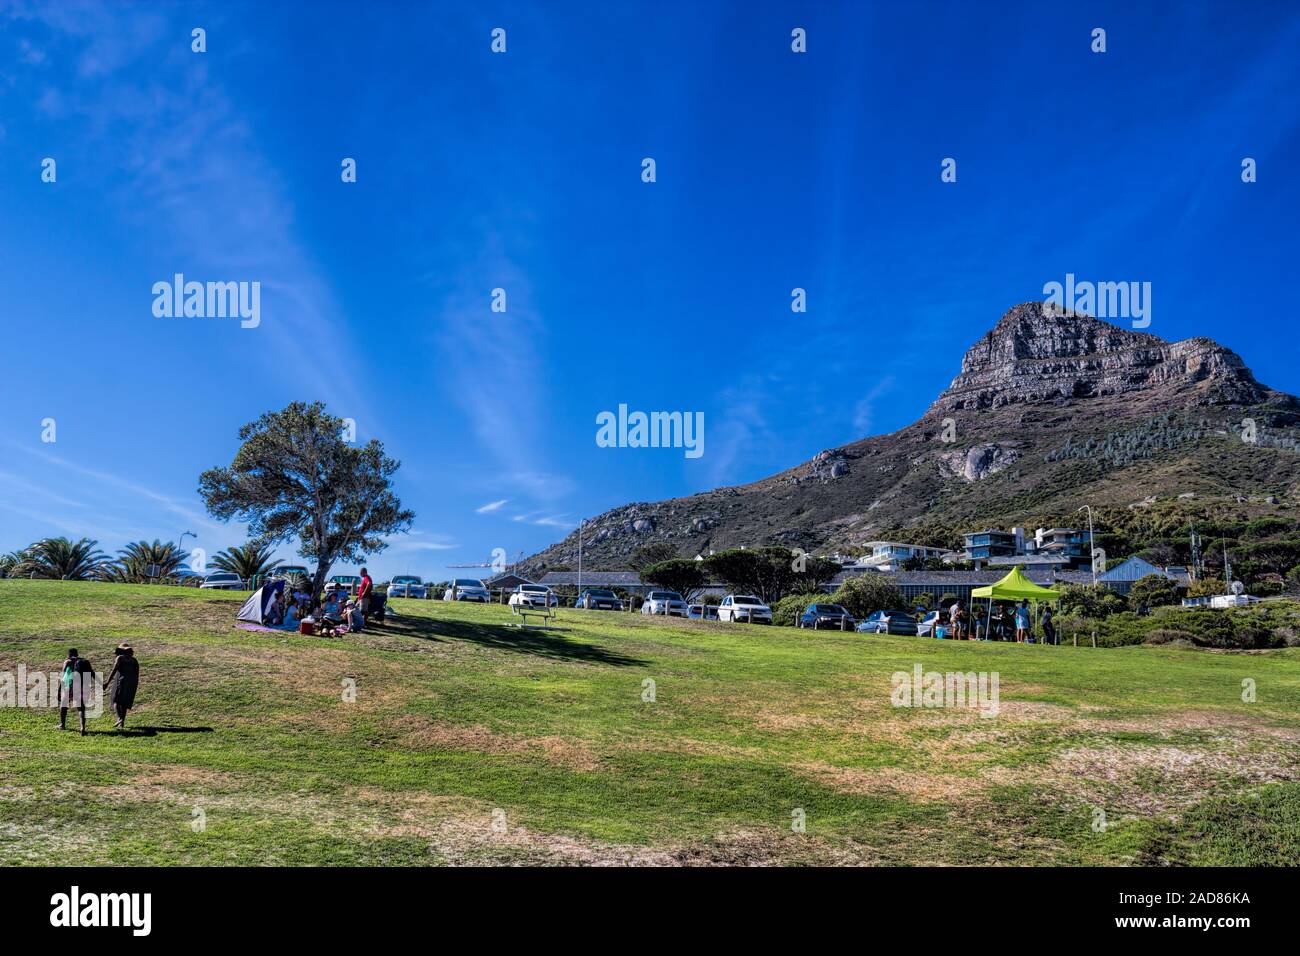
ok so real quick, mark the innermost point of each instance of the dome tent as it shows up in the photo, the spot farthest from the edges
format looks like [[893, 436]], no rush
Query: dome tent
[[255, 608]]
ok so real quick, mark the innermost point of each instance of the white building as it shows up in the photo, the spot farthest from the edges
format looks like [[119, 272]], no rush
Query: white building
[[889, 555]]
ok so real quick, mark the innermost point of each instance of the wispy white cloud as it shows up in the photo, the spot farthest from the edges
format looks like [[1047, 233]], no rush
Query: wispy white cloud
[[864, 411], [491, 506]]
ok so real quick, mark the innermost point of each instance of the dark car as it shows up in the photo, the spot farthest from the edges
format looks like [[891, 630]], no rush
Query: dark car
[[599, 599], [825, 615], [888, 622], [702, 612]]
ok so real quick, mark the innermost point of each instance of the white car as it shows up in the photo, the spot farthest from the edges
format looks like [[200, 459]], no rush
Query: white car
[[467, 589], [534, 595], [407, 586], [744, 607], [224, 581], [664, 602]]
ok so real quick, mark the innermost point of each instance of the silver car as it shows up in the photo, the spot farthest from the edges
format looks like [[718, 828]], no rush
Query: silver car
[[407, 586], [224, 581], [467, 589], [664, 602]]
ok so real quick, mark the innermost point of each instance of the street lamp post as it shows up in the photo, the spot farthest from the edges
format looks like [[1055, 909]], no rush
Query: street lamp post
[[1092, 557]]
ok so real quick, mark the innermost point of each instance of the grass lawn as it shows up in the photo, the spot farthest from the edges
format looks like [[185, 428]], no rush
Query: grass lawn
[[470, 741]]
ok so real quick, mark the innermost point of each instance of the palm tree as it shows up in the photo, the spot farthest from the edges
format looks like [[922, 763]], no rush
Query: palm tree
[[248, 561], [60, 558], [9, 562], [137, 559]]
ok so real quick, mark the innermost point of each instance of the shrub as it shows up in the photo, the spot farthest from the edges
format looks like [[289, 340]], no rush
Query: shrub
[[1165, 635], [1154, 590], [867, 593], [787, 610]]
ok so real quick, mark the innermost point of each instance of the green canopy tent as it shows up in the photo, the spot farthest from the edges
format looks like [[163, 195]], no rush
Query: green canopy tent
[[1015, 587]]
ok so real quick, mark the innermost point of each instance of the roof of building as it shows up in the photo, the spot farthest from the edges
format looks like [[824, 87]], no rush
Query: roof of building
[[595, 579], [507, 579], [1131, 569], [900, 544], [1055, 559]]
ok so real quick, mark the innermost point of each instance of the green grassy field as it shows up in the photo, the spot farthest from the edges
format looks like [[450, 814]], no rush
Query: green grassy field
[[472, 742]]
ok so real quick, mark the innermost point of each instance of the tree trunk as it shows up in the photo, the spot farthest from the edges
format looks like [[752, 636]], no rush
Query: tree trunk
[[318, 582]]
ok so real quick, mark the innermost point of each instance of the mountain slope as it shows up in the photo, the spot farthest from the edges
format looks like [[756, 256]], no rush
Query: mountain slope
[[1047, 413]]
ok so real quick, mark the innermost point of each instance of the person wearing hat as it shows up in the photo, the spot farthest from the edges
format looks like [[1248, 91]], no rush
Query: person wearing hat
[[124, 678], [74, 689]]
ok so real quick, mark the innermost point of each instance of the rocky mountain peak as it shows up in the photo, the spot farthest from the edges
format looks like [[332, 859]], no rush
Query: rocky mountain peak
[[1035, 354]]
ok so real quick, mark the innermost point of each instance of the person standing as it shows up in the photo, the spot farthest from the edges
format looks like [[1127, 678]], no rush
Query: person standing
[[363, 592], [1049, 629], [122, 682], [1022, 622], [74, 688]]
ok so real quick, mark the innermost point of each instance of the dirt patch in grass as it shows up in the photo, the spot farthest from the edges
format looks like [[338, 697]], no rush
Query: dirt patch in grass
[[1152, 780], [470, 834], [438, 735]]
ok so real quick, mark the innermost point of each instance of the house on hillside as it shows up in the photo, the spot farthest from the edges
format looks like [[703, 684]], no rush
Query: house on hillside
[[1121, 577], [890, 555]]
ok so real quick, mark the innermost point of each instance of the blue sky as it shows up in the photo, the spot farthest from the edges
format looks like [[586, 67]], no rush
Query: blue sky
[[523, 171]]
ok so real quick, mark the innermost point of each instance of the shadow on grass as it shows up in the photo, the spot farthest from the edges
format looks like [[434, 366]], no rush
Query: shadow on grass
[[150, 731], [541, 642]]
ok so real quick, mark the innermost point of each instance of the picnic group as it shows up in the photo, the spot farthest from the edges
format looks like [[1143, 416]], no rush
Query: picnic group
[[334, 614], [999, 624]]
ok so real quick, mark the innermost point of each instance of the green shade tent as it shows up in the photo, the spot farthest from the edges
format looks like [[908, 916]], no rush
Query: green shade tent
[[1015, 587]]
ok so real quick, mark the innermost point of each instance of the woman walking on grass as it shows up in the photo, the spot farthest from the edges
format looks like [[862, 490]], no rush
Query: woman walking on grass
[[124, 678]]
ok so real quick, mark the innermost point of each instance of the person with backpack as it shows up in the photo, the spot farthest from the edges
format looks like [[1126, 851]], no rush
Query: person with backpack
[[75, 688], [124, 679]]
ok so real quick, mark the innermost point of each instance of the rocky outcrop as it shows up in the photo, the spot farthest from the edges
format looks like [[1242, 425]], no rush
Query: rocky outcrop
[[1037, 355], [980, 461]]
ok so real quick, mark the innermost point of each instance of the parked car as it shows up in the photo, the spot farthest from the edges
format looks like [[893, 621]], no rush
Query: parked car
[[599, 599], [534, 595], [888, 622], [825, 615], [467, 589], [286, 571], [669, 603], [224, 581], [925, 626], [744, 607], [703, 612], [350, 583], [407, 586]]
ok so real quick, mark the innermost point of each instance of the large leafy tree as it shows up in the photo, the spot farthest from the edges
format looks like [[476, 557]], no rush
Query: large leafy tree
[[868, 593], [248, 561], [654, 552], [139, 558], [680, 575], [770, 572], [294, 477], [62, 559], [1154, 590]]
